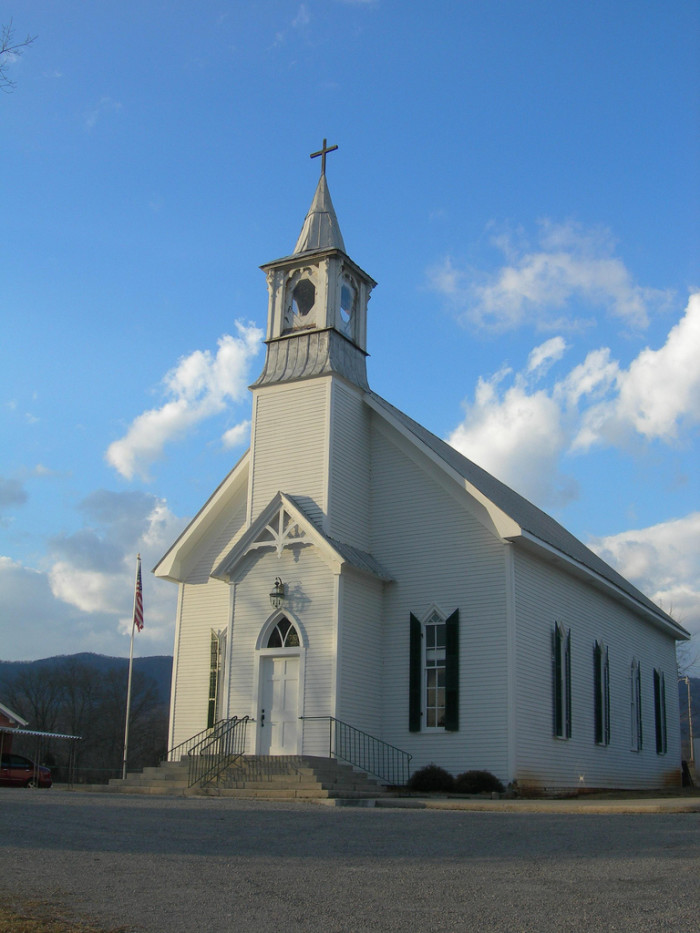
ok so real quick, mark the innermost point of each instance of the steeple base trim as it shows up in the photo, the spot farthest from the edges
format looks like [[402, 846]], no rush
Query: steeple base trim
[[318, 353]]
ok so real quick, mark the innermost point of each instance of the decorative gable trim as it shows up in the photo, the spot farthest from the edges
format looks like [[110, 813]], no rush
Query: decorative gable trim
[[283, 524], [283, 530]]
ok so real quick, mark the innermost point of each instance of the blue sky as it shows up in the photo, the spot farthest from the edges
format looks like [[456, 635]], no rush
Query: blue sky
[[521, 178]]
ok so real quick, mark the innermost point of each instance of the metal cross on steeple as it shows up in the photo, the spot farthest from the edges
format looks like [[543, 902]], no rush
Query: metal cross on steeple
[[322, 152]]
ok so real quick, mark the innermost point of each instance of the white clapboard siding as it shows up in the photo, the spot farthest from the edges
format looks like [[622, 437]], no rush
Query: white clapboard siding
[[349, 473], [290, 452], [360, 642], [204, 607], [310, 606], [440, 554], [218, 540], [544, 595]]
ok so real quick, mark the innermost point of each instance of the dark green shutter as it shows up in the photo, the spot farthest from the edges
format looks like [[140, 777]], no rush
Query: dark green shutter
[[414, 675], [452, 672], [567, 661], [660, 712], [640, 731], [606, 697], [557, 724], [598, 692]]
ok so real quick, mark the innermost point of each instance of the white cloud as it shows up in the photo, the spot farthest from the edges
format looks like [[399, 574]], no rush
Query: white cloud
[[517, 434], [542, 357], [199, 386], [236, 435], [659, 392], [520, 430], [538, 284], [664, 562], [83, 599]]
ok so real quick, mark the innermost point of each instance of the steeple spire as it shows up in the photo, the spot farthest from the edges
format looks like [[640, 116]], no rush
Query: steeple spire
[[321, 229]]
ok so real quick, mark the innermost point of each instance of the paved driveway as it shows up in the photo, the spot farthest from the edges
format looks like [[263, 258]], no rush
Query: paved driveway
[[208, 865]]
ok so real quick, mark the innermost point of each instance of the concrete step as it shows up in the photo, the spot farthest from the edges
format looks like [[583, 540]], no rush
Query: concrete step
[[264, 777]]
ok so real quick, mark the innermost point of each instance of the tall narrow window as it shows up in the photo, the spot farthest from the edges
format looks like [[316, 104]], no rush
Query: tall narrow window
[[434, 683], [434, 673], [601, 697], [561, 682], [636, 705], [660, 712]]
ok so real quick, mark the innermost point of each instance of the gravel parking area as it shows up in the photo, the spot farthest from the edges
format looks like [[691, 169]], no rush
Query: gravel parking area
[[208, 864]]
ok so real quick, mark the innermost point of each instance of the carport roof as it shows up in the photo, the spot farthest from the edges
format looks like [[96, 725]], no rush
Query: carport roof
[[46, 735]]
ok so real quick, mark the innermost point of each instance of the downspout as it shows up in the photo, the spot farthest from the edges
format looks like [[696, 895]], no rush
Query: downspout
[[511, 664]]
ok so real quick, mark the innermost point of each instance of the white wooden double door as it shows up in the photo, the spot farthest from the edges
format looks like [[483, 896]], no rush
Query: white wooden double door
[[279, 706]]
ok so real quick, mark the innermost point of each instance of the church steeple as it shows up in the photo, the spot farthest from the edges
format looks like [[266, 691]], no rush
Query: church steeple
[[317, 312], [321, 229]]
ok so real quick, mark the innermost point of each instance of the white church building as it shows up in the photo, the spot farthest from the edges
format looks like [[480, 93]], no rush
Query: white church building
[[354, 568]]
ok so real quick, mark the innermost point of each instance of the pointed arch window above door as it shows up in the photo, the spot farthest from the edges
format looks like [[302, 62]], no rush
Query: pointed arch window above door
[[283, 635]]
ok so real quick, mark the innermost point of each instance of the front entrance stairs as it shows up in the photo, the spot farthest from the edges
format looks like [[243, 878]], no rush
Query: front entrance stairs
[[287, 777]]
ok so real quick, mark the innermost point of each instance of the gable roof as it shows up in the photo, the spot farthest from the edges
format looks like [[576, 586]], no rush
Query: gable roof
[[537, 530], [262, 534], [176, 561], [12, 716]]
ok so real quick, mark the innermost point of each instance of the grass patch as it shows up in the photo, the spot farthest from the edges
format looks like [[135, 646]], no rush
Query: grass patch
[[30, 916]]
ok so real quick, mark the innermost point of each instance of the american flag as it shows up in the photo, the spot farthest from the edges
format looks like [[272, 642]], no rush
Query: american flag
[[138, 597]]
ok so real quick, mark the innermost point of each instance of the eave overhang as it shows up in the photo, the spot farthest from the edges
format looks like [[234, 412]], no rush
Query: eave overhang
[[293, 262], [12, 716], [173, 565], [641, 606]]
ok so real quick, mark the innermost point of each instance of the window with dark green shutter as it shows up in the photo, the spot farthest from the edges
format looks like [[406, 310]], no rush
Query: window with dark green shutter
[[636, 706], [601, 694], [561, 682], [660, 712], [415, 675], [214, 664], [452, 672], [434, 672]]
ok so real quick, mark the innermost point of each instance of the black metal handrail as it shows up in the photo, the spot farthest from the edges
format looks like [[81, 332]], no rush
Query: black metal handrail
[[362, 750], [219, 753], [189, 746]]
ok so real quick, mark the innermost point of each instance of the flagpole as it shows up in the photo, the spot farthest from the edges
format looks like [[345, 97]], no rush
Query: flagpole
[[137, 590]]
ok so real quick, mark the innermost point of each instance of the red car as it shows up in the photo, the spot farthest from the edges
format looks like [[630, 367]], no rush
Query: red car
[[17, 771]]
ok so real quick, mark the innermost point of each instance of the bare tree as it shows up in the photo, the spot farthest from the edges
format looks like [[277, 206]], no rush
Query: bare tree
[[36, 693], [10, 51], [687, 656]]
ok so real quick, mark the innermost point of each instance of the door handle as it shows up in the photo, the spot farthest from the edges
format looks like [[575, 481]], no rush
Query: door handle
[[262, 719]]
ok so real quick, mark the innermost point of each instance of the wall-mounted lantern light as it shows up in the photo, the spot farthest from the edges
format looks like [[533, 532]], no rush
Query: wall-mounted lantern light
[[277, 594]]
